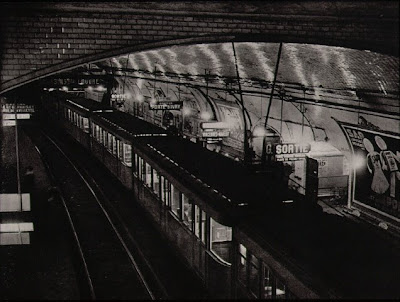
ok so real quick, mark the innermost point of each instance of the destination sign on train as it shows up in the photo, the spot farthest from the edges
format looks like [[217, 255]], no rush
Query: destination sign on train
[[166, 106], [292, 148]]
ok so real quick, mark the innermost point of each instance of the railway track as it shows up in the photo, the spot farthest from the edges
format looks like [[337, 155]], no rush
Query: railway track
[[112, 270]]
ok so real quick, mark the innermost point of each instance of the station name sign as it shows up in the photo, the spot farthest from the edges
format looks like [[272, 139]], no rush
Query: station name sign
[[291, 151], [166, 106], [215, 133], [24, 108], [76, 81]]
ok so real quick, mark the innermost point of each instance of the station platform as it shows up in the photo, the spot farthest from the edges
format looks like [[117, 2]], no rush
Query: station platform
[[40, 264]]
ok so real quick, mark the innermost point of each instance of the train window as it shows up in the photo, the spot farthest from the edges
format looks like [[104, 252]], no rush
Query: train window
[[200, 223], [197, 221], [280, 289], [117, 148], [221, 239], [165, 191], [141, 169], [242, 268], [86, 124], [137, 168], [109, 141], [148, 175], [156, 182], [203, 226], [128, 154], [114, 145], [98, 133], [176, 201], [187, 206], [269, 284], [104, 138], [121, 151], [254, 276]]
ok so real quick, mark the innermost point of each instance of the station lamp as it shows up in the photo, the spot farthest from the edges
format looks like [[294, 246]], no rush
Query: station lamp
[[186, 111], [358, 161], [259, 131], [205, 115]]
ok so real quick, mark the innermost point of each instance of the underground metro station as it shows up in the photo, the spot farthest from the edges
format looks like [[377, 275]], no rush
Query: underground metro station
[[200, 150]]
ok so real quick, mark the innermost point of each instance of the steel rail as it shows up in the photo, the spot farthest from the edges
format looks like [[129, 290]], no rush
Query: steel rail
[[134, 263], [53, 180]]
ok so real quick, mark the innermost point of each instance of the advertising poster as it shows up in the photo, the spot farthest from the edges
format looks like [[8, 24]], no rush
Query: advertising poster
[[231, 115], [376, 167]]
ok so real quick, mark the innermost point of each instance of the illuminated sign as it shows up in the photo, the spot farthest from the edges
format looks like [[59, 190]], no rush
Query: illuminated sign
[[79, 81], [291, 151], [20, 116], [215, 133], [9, 108], [166, 106], [291, 148], [7, 123], [215, 125]]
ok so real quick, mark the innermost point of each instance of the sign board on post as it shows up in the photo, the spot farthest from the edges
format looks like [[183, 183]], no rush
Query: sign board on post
[[215, 133], [7, 123], [21, 108], [291, 151], [166, 106], [20, 116]]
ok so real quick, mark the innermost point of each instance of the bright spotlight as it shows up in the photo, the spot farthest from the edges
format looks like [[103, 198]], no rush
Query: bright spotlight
[[259, 131], [186, 111], [358, 161], [65, 88], [205, 115]]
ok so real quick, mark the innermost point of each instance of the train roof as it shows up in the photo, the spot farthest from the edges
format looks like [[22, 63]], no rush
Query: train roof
[[85, 104], [239, 189], [229, 177], [126, 125]]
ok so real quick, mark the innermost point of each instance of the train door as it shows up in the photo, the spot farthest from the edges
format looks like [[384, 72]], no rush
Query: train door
[[311, 180]]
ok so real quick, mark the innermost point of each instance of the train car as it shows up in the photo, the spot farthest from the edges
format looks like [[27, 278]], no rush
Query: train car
[[262, 273], [181, 210], [198, 220], [194, 218], [72, 113], [111, 139], [50, 105]]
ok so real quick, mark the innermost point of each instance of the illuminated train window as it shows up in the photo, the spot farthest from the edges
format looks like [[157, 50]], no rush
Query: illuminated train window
[[273, 287], [187, 207], [156, 182], [176, 201], [165, 191], [200, 223], [242, 267], [221, 238], [254, 275]]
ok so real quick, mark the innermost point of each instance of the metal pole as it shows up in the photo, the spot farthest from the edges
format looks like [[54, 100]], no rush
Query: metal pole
[[245, 143], [17, 152], [263, 157]]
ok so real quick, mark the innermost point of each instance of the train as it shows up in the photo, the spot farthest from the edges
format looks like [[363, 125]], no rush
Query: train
[[198, 219]]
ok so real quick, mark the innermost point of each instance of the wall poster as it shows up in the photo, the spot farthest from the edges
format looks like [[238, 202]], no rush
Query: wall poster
[[377, 171]]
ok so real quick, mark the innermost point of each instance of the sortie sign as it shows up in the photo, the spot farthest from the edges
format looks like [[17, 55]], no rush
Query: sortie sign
[[291, 148]]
